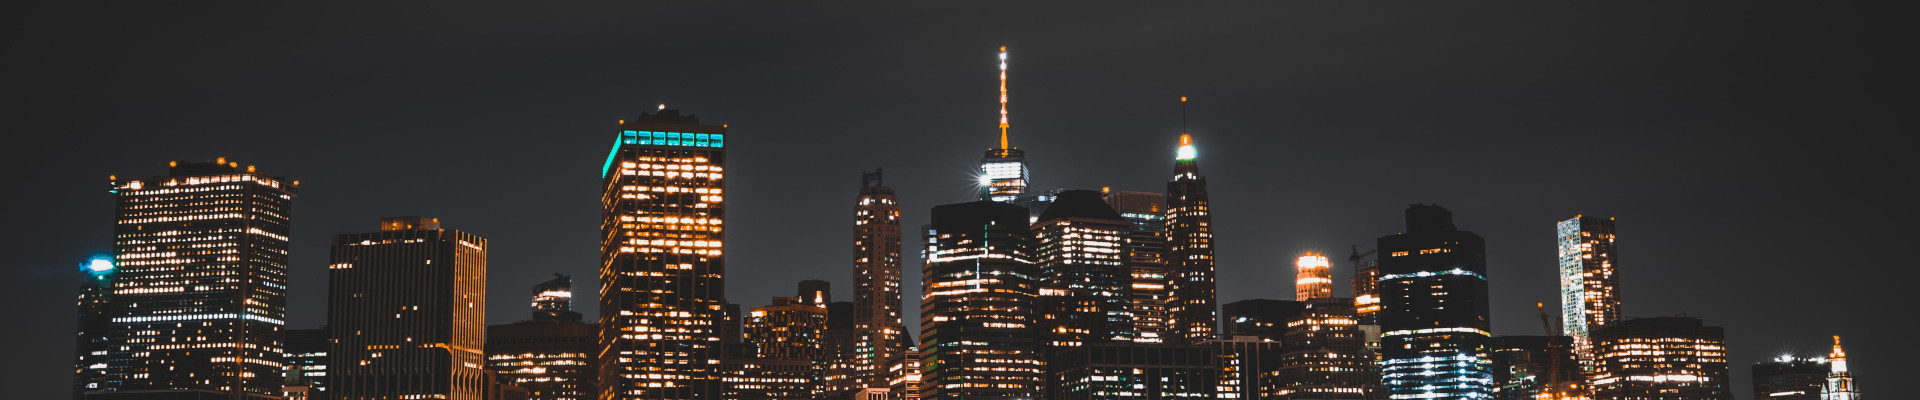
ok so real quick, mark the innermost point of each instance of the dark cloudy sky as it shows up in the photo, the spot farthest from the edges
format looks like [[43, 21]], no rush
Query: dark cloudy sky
[[1747, 150]]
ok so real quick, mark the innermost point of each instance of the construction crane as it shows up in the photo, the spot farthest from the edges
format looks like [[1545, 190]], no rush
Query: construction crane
[[1553, 390], [1357, 255]]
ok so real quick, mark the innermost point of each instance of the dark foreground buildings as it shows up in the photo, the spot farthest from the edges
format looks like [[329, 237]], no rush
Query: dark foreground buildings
[[979, 290], [1433, 290], [194, 302], [406, 310]]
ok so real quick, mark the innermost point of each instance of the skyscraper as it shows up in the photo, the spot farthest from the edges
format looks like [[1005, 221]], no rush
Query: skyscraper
[[662, 281], [1839, 380], [1313, 277], [876, 282], [1366, 295], [198, 284], [840, 352], [1668, 358], [1003, 172], [1433, 290], [1145, 250], [1790, 378], [1589, 289], [1190, 305], [93, 339], [1085, 281], [1326, 356], [407, 312], [551, 359], [977, 305], [788, 328], [553, 300]]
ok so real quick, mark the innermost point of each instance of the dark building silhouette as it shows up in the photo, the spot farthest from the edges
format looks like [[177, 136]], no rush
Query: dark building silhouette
[[1433, 290], [1265, 319], [1691, 361], [1589, 286], [978, 304], [877, 317], [406, 309], [815, 292], [198, 287], [306, 372], [663, 239], [1190, 306], [1790, 378], [548, 359], [1145, 249], [1118, 370], [841, 347], [553, 300], [1523, 366]]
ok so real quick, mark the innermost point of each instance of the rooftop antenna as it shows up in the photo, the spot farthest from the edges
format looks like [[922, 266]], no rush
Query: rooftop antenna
[[1183, 115], [1003, 98]]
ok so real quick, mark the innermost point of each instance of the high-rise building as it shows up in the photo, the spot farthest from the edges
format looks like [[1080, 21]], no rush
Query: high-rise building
[[407, 311], [877, 317], [1190, 306], [1248, 367], [1313, 277], [1085, 282], [1839, 380], [1524, 366], [1326, 356], [904, 383], [662, 281], [1790, 378], [93, 339], [1003, 172], [1433, 290], [1589, 289], [553, 300], [550, 359], [1265, 319], [197, 299], [1145, 250], [977, 305], [1366, 295], [788, 328], [306, 373], [1666, 358], [840, 349]]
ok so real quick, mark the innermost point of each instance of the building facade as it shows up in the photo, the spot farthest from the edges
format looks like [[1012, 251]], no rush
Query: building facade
[[406, 309], [549, 359], [194, 300], [1265, 319], [663, 240], [1589, 288], [1839, 379], [1145, 250], [1665, 358], [306, 373], [1433, 290], [553, 300], [1326, 357], [1313, 277], [1085, 282], [1790, 378], [978, 300], [877, 271], [789, 328], [1191, 312], [1526, 366]]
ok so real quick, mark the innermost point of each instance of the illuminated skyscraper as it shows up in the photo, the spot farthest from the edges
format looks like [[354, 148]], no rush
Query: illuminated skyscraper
[[1433, 290], [1839, 380], [1190, 307], [1665, 358], [407, 311], [789, 328], [876, 283], [553, 300], [1313, 277], [93, 341], [1790, 378], [1589, 289], [1003, 172], [551, 359], [977, 304], [1366, 295], [662, 281], [198, 284], [1085, 282], [306, 373], [1326, 356], [1145, 250]]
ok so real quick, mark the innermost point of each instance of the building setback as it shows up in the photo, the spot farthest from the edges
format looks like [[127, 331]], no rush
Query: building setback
[[877, 316], [663, 239], [977, 305], [1669, 358], [1191, 312], [1589, 288], [1433, 290], [406, 309], [194, 301], [1145, 250]]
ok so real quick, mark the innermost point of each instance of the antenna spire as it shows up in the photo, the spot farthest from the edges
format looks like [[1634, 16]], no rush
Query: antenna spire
[[1183, 115], [1003, 98]]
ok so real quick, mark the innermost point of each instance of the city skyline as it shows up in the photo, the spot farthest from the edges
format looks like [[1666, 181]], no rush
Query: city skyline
[[1671, 221]]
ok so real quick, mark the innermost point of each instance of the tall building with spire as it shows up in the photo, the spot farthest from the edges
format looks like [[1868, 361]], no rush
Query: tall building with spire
[[407, 312], [877, 316], [662, 245], [195, 298], [1839, 381], [1003, 172], [1589, 288], [977, 304], [1192, 315], [1433, 290]]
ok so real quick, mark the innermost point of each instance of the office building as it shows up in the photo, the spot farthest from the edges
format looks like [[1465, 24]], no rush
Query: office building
[[1003, 172], [553, 300], [1433, 290], [1146, 371], [1790, 378], [1249, 367], [1145, 250], [1589, 289], [878, 318], [1666, 358], [788, 328], [1190, 306], [549, 359], [904, 378], [754, 378], [406, 309], [94, 330], [1839, 379], [663, 239], [977, 304], [1366, 295], [306, 372], [198, 286], [1326, 356], [1079, 243], [1313, 277], [1265, 319], [1524, 367], [841, 346]]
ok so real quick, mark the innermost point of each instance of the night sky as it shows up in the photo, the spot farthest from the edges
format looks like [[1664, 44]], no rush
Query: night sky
[[1747, 151]]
